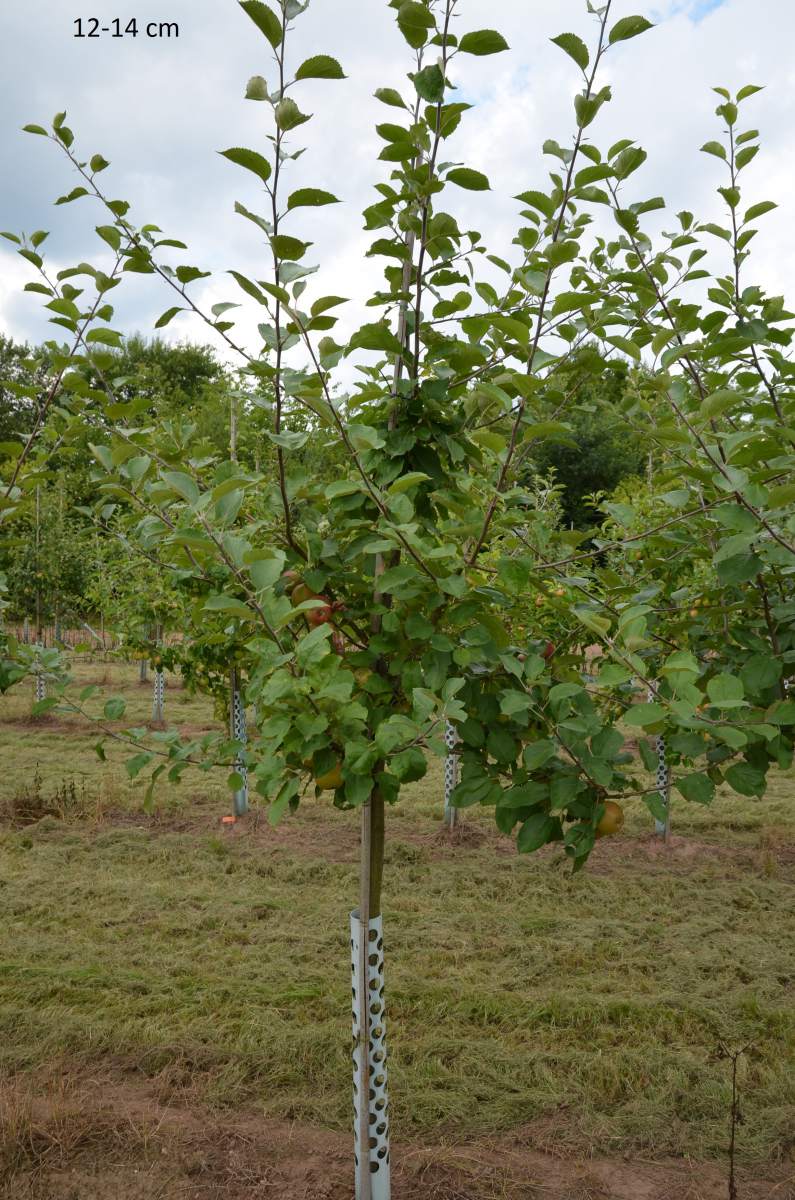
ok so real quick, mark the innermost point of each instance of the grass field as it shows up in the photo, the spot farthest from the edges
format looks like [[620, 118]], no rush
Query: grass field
[[205, 970]]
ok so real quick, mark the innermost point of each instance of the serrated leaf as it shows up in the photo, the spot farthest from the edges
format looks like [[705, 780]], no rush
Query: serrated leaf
[[644, 715], [289, 248], [249, 159], [628, 27], [483, 41], [465, 177], [320, 66], [414, 21], [167, 316], [265, 19], [405, 482], [310, 198], [289, 115], [574, 46], [390, 96], [256, 88], [429, 83], [182, 484]]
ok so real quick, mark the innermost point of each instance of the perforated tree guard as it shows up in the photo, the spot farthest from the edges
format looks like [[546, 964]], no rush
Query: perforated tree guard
[[41, 686], [662, 780], [450, 774], [375, 1157], [663, 786], [237, 723], [158, 698]]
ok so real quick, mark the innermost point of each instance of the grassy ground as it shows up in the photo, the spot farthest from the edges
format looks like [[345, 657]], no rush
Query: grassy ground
[[588, 1011]]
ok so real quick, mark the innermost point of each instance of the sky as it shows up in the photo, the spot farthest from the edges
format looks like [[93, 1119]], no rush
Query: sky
[[160, 109]]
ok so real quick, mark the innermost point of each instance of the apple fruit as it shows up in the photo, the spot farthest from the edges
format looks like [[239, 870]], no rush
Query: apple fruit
[[321, 614], [331, 780], [612, 821]]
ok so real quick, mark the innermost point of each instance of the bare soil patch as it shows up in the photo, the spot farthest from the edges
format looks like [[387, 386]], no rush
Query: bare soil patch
[[114, 1139]]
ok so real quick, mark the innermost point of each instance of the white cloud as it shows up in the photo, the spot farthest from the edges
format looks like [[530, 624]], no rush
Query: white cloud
[[160, 111]]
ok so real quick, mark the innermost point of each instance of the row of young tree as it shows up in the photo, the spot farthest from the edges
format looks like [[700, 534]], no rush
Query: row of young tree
[[59, 565], [427, 579]]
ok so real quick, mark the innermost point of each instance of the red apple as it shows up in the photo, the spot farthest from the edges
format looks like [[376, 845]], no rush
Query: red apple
[[548, 651], [321, 614]]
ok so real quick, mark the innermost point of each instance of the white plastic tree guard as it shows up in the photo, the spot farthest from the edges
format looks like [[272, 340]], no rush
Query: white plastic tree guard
[[237, 729], [450, 774], [662, 828], [158, 698], [370, 1086], [41, 684]]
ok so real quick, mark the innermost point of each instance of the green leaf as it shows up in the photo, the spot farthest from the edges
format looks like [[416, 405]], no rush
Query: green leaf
[[404, 483], [265, 571], [465, 177], [320, 66], [75, 194], [535, 832], [759, 210], [719, 402], [310, 198], [167, 316], [289, 248], [250, 160], [698, 788], [726, 691], [429, 83], [256, 88], [289, 115], [714, 148], [781, 496], [628, 27], [377, 336], [644, 715], [265, 19], [35, 129], [114, 708], [573, 46], [740, 568], [536, 754], [110, 234], [747, 780], [183, 485], [483, 41], [539, 200], [414, 21], [136, 764], [390, 96]]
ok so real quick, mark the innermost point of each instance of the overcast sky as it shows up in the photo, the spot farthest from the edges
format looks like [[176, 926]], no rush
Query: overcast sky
[[160, 109]]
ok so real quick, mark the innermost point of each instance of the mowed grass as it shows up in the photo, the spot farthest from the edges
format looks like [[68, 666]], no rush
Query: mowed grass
[[587, 1011]]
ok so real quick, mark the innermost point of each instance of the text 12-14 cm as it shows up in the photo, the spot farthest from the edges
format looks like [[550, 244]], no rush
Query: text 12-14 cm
[[91, 27]]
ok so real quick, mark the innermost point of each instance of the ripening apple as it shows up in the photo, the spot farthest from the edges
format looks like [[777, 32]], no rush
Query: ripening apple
[[331, 780], [612, 821], [548, 651], [321, 614]]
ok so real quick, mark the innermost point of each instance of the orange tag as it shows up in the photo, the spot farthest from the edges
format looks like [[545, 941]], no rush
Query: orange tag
[[228, 820]]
